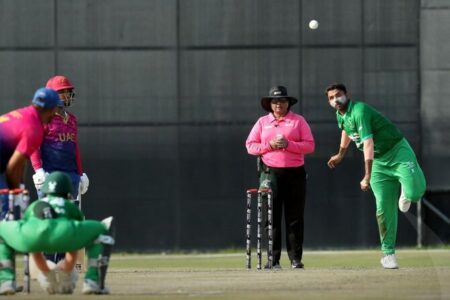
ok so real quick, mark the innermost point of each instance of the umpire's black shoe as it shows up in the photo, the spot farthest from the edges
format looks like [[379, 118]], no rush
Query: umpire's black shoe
[[276, 265], [296, 264]]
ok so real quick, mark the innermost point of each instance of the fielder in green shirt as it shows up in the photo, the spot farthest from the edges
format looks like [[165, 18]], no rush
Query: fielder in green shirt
[[391, 168], [55, 224]]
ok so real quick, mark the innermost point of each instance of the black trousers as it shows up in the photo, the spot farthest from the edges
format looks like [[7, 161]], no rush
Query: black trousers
[[289, 191]]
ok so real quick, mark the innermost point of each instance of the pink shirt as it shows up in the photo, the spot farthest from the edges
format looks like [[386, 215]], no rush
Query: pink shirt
[[59, 150], [294, 128], [22, 130]]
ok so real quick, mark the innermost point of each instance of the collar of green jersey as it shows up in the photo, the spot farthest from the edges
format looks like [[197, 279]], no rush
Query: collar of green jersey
[[349, 110]]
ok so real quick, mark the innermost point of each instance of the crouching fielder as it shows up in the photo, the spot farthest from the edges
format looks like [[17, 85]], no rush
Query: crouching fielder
[[55, 224]]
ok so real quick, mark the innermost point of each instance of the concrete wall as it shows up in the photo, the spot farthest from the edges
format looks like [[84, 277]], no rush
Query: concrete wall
[[168, 90]]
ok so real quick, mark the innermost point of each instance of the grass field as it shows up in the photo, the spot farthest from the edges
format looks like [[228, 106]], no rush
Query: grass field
[[423, 274]]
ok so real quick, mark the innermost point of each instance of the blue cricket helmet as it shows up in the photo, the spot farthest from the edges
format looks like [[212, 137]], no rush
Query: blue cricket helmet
[[46, 98]]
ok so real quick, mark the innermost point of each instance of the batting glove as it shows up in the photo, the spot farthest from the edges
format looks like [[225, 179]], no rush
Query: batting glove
[[39, 178], [84, 184]]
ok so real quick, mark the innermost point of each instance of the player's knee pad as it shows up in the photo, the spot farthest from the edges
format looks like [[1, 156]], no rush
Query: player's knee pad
[[100, 247], [99, 254], [106, 242], [4, 206], [6, 264]]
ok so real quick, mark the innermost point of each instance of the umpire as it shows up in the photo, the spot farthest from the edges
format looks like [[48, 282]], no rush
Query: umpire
[[282, 138]]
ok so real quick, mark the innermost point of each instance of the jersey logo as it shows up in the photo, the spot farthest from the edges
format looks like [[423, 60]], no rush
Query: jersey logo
[[66, 137], [16, 114], [411, 166], [43, 210], [355, 138], [52, 186], [351, 126], [47, 213]]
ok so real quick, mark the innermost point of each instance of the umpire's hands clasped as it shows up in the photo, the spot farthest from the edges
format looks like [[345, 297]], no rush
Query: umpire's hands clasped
[[279, 142]]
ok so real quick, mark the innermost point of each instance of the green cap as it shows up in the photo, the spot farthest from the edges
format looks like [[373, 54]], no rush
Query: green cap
[[57, 183]]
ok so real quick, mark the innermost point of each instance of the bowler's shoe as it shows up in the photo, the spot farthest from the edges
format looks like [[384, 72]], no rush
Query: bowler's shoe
[[403, 203], [389, 261]]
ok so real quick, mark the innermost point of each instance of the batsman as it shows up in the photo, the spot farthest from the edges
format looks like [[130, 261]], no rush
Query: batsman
[[21, 133], [391, 167], [60, 150], [55, 224]]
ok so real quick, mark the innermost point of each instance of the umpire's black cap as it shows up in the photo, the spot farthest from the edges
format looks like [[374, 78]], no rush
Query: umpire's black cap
[[274, 93]]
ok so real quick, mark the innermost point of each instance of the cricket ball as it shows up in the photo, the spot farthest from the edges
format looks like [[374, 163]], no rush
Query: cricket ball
[[313, 24]]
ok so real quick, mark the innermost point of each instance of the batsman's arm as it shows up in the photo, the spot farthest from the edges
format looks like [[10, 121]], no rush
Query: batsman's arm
[[78, 159], [36, 161], [15, 169]]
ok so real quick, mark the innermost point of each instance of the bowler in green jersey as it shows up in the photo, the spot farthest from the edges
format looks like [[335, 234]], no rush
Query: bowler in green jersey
[[391, 167]]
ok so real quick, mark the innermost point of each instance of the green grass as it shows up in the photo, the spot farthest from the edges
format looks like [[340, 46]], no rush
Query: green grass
[[313, 259], [423, 274]]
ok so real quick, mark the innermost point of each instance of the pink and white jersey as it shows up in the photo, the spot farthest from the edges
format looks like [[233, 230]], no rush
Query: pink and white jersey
[[59, 150], [294, 128], [20, 130]]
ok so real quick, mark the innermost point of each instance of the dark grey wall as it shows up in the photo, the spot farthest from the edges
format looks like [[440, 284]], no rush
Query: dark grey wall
[[435, 112], [168, 91], [435, 78]]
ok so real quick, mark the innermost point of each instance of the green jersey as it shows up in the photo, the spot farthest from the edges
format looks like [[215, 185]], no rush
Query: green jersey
[[51, 224], [59, 208], [362, 122]]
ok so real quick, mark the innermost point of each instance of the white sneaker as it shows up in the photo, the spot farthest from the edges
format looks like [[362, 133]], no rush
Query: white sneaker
[[403, 203], [7, 287], [48, 281], [389, 262], [67, 281], [91, 287]]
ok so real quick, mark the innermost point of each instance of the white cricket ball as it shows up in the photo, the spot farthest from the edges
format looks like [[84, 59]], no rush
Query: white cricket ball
[[313, 24]]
